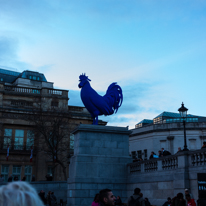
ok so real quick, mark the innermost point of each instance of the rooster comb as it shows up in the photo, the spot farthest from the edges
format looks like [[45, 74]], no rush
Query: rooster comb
[[83, 77]]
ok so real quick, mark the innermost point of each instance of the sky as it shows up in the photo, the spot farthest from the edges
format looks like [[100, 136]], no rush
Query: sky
[[155, 50]]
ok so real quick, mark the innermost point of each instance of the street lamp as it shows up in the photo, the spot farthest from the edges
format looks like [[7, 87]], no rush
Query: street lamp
[[183, 113]]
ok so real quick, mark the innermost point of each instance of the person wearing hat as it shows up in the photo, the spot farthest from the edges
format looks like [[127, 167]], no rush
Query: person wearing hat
[[136, 196], [188, 193]]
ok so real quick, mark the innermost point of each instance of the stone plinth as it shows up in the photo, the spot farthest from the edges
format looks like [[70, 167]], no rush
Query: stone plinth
[[101, 154]]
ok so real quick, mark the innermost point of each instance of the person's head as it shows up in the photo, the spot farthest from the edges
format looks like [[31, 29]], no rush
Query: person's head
[[180, 195], [188, 197], [159, 151], [169, 199], [204, 143], [19, 194], [146, 199], [24, 178], [96, 198], [152, 153], [186, 191], [179, 148], [162, 149], [106, 196], [137, 191], [118, 197]]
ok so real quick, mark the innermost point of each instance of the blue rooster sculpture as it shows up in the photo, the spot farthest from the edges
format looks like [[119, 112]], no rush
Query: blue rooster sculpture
[[99, 105]]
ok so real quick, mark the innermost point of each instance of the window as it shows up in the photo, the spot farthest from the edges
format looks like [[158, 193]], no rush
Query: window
[[139, 154], [19, 139], [28, 172], [54, 104], [17, 171], [49, 170], [7, 138], [5, 172], [145, 154], [29, 140], [133, 154], [71, 141]]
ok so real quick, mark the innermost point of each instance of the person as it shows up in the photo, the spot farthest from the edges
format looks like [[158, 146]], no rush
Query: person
[[178, 200], [33, 178], [53, 199], [16, 178], [160, 153], [96, 200], [1, 178], [61, 202], [204, 145], [19, 193], [153, 155], [10, 178], [165, 152], [147, 203], [106, 197], [168, 202], [48, 198], [190, 202], [118, 201], [136, 197], [24, 178], [186, 193], [42, 197], [179, 149]]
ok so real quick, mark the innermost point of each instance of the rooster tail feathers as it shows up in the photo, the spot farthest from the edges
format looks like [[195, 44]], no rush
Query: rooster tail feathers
[[114, 96]]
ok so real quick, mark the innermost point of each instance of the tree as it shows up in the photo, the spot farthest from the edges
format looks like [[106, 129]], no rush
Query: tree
[[51, 129]]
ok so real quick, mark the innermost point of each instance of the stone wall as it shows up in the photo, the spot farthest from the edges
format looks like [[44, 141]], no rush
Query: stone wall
[[101, 155], [165, 177]]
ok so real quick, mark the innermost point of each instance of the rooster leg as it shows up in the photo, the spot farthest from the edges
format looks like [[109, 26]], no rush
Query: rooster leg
[[96, 120]]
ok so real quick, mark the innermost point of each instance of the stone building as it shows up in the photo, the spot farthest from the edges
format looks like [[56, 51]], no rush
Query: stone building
[[166, 131], [19, 94]]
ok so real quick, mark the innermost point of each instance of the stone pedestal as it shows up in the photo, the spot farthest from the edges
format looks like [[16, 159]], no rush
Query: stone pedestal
[[101, 155]]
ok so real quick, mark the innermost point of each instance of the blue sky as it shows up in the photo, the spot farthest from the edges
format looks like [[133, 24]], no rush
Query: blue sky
[[155, 50]]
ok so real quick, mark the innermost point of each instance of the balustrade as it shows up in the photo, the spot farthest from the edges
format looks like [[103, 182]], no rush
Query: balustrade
[[150, 165], [135, 167], [22, 90], [170, 162], [57, 92], [198, 158]]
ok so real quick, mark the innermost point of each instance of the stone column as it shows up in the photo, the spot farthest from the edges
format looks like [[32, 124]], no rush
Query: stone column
[[101, 154], [181, 176]]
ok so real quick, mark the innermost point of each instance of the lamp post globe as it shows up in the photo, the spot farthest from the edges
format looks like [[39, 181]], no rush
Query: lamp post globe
[[183, 113]]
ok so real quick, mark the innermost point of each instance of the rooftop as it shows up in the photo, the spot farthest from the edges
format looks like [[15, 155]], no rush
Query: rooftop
[[170, 117], [9, 76]]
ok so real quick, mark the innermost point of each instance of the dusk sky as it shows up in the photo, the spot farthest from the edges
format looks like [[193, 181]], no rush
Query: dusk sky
[[155, 50]]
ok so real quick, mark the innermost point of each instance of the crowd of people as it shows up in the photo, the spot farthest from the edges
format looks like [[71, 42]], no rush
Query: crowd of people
[[106, 198], [21, 193], [49, 200], [161, 153]]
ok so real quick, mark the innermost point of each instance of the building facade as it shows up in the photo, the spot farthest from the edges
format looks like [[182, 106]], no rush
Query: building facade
[[19, 95], [166, 131]]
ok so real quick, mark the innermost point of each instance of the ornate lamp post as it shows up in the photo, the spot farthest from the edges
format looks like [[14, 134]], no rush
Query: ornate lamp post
[[183, 113]]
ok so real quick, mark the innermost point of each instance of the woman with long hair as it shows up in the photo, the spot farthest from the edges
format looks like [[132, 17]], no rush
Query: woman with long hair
[[96, 200]]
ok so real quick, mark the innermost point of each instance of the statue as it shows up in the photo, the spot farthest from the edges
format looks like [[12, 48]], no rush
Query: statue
[[99, 105]]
